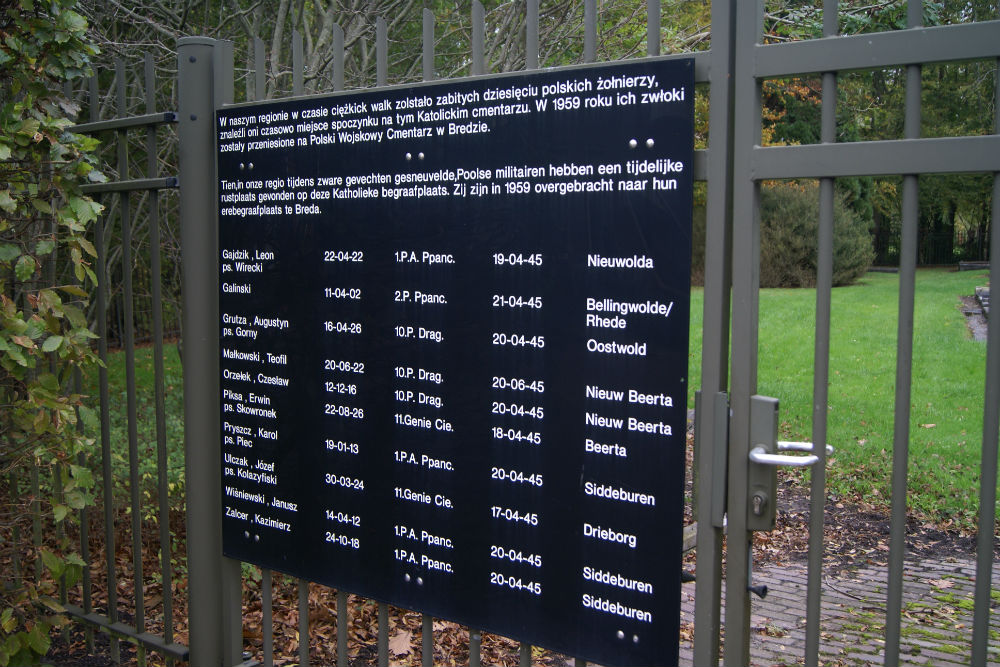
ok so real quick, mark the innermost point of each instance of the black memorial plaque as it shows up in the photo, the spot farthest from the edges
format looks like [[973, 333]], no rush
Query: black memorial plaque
[[454, 349]]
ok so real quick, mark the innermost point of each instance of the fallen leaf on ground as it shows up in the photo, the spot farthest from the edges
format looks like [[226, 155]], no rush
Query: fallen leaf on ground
[[399, 643]]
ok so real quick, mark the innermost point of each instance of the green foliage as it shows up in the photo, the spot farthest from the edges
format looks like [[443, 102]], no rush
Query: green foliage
[[957, 100], [43, 330], [789, 236]]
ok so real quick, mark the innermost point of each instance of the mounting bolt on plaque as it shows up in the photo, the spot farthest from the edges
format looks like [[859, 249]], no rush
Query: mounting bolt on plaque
[[621, 634], [632, 143], [409, 156], [650, 142]]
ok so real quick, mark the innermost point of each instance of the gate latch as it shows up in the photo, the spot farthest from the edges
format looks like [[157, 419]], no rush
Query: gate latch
[[762, 484]]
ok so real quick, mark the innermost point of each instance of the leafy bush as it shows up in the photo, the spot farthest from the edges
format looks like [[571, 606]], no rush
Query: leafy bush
[[44, 338], [789, 226]]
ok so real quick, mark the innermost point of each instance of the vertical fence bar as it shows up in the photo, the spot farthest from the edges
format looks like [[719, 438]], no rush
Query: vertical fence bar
[[298, 64], [83, 460], [57, 482], [427, 641], [653, 27], [267, 616], [531, 35], [338, 57], [746, 306], [821, 358], [105, 405], [57, 488], [231, 570], [478, 38], [991, 435], [128, 297], [248, 81], [158, 373], [524, 659], [428, 21], [590, 31], [904, 361], [199, 242], [475, 647], [715, 341], [16, 530], [343, 619], [86, 584], [259, 70], [304, 623], [36, 519], [383, 635], [381, 52]]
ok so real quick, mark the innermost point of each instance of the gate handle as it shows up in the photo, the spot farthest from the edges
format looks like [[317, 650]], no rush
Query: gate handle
[[787, 446], [760, 455]]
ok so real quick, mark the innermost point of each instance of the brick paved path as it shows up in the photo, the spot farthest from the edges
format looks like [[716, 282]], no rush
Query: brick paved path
[[937, 620]]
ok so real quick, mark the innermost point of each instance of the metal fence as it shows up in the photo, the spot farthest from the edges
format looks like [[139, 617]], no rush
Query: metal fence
[[734, 167], [115, 309]]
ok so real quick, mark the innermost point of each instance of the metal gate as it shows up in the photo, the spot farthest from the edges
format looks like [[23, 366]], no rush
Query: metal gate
[[750, 416], [735, 496]]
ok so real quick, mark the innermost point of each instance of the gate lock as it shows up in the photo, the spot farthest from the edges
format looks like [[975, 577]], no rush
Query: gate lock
[[762, 475]]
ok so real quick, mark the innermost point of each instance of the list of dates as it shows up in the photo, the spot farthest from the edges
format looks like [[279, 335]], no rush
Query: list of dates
[[454, 349]]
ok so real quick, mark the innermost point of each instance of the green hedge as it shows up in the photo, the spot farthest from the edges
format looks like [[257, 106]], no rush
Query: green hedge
[[789, 226], [789, 235]]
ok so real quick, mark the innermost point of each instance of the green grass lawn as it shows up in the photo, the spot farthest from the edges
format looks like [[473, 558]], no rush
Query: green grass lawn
[[947, 394], [947, 398], [145, 423]]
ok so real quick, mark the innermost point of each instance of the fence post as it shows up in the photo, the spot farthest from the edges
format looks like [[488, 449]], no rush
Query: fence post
[[199, 239]]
